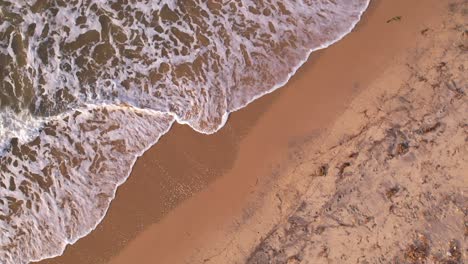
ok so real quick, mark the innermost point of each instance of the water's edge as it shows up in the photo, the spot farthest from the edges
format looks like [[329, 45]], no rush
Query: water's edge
[[182, 122]]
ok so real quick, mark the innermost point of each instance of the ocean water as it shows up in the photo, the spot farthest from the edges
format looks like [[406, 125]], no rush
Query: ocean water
[[87, 86]]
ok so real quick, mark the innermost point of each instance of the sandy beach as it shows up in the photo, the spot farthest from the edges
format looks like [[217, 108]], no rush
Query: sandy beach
[[230, 197]]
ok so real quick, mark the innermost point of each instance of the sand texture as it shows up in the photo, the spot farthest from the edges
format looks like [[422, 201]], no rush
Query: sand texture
[[393, 188]]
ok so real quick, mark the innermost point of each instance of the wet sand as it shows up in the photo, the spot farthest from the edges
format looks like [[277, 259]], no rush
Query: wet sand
[[190, 193]]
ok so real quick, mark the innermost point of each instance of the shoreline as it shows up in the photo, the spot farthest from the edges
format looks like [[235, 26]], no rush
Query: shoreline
[[242, 135], [178, 121]]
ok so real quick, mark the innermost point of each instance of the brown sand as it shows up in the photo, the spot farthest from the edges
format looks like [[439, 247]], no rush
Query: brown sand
[[244, 180], [388, 183]]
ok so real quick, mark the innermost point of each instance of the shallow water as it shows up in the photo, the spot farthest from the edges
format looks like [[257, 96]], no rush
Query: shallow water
[[88, 86]]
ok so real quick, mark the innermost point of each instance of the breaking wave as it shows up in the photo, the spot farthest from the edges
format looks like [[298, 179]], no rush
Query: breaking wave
[[87, 86]]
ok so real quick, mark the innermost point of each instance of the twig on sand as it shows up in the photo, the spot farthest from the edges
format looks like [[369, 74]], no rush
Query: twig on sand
[[395, 18]]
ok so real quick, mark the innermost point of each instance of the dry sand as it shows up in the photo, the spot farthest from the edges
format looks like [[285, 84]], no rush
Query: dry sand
[[376, 115]]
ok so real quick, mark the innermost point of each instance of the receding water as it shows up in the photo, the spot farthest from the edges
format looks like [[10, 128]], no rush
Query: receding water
[[86, 86]]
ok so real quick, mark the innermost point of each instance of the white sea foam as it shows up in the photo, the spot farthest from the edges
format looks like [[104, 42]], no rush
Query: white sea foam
[[88, 86], [22, 126]]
